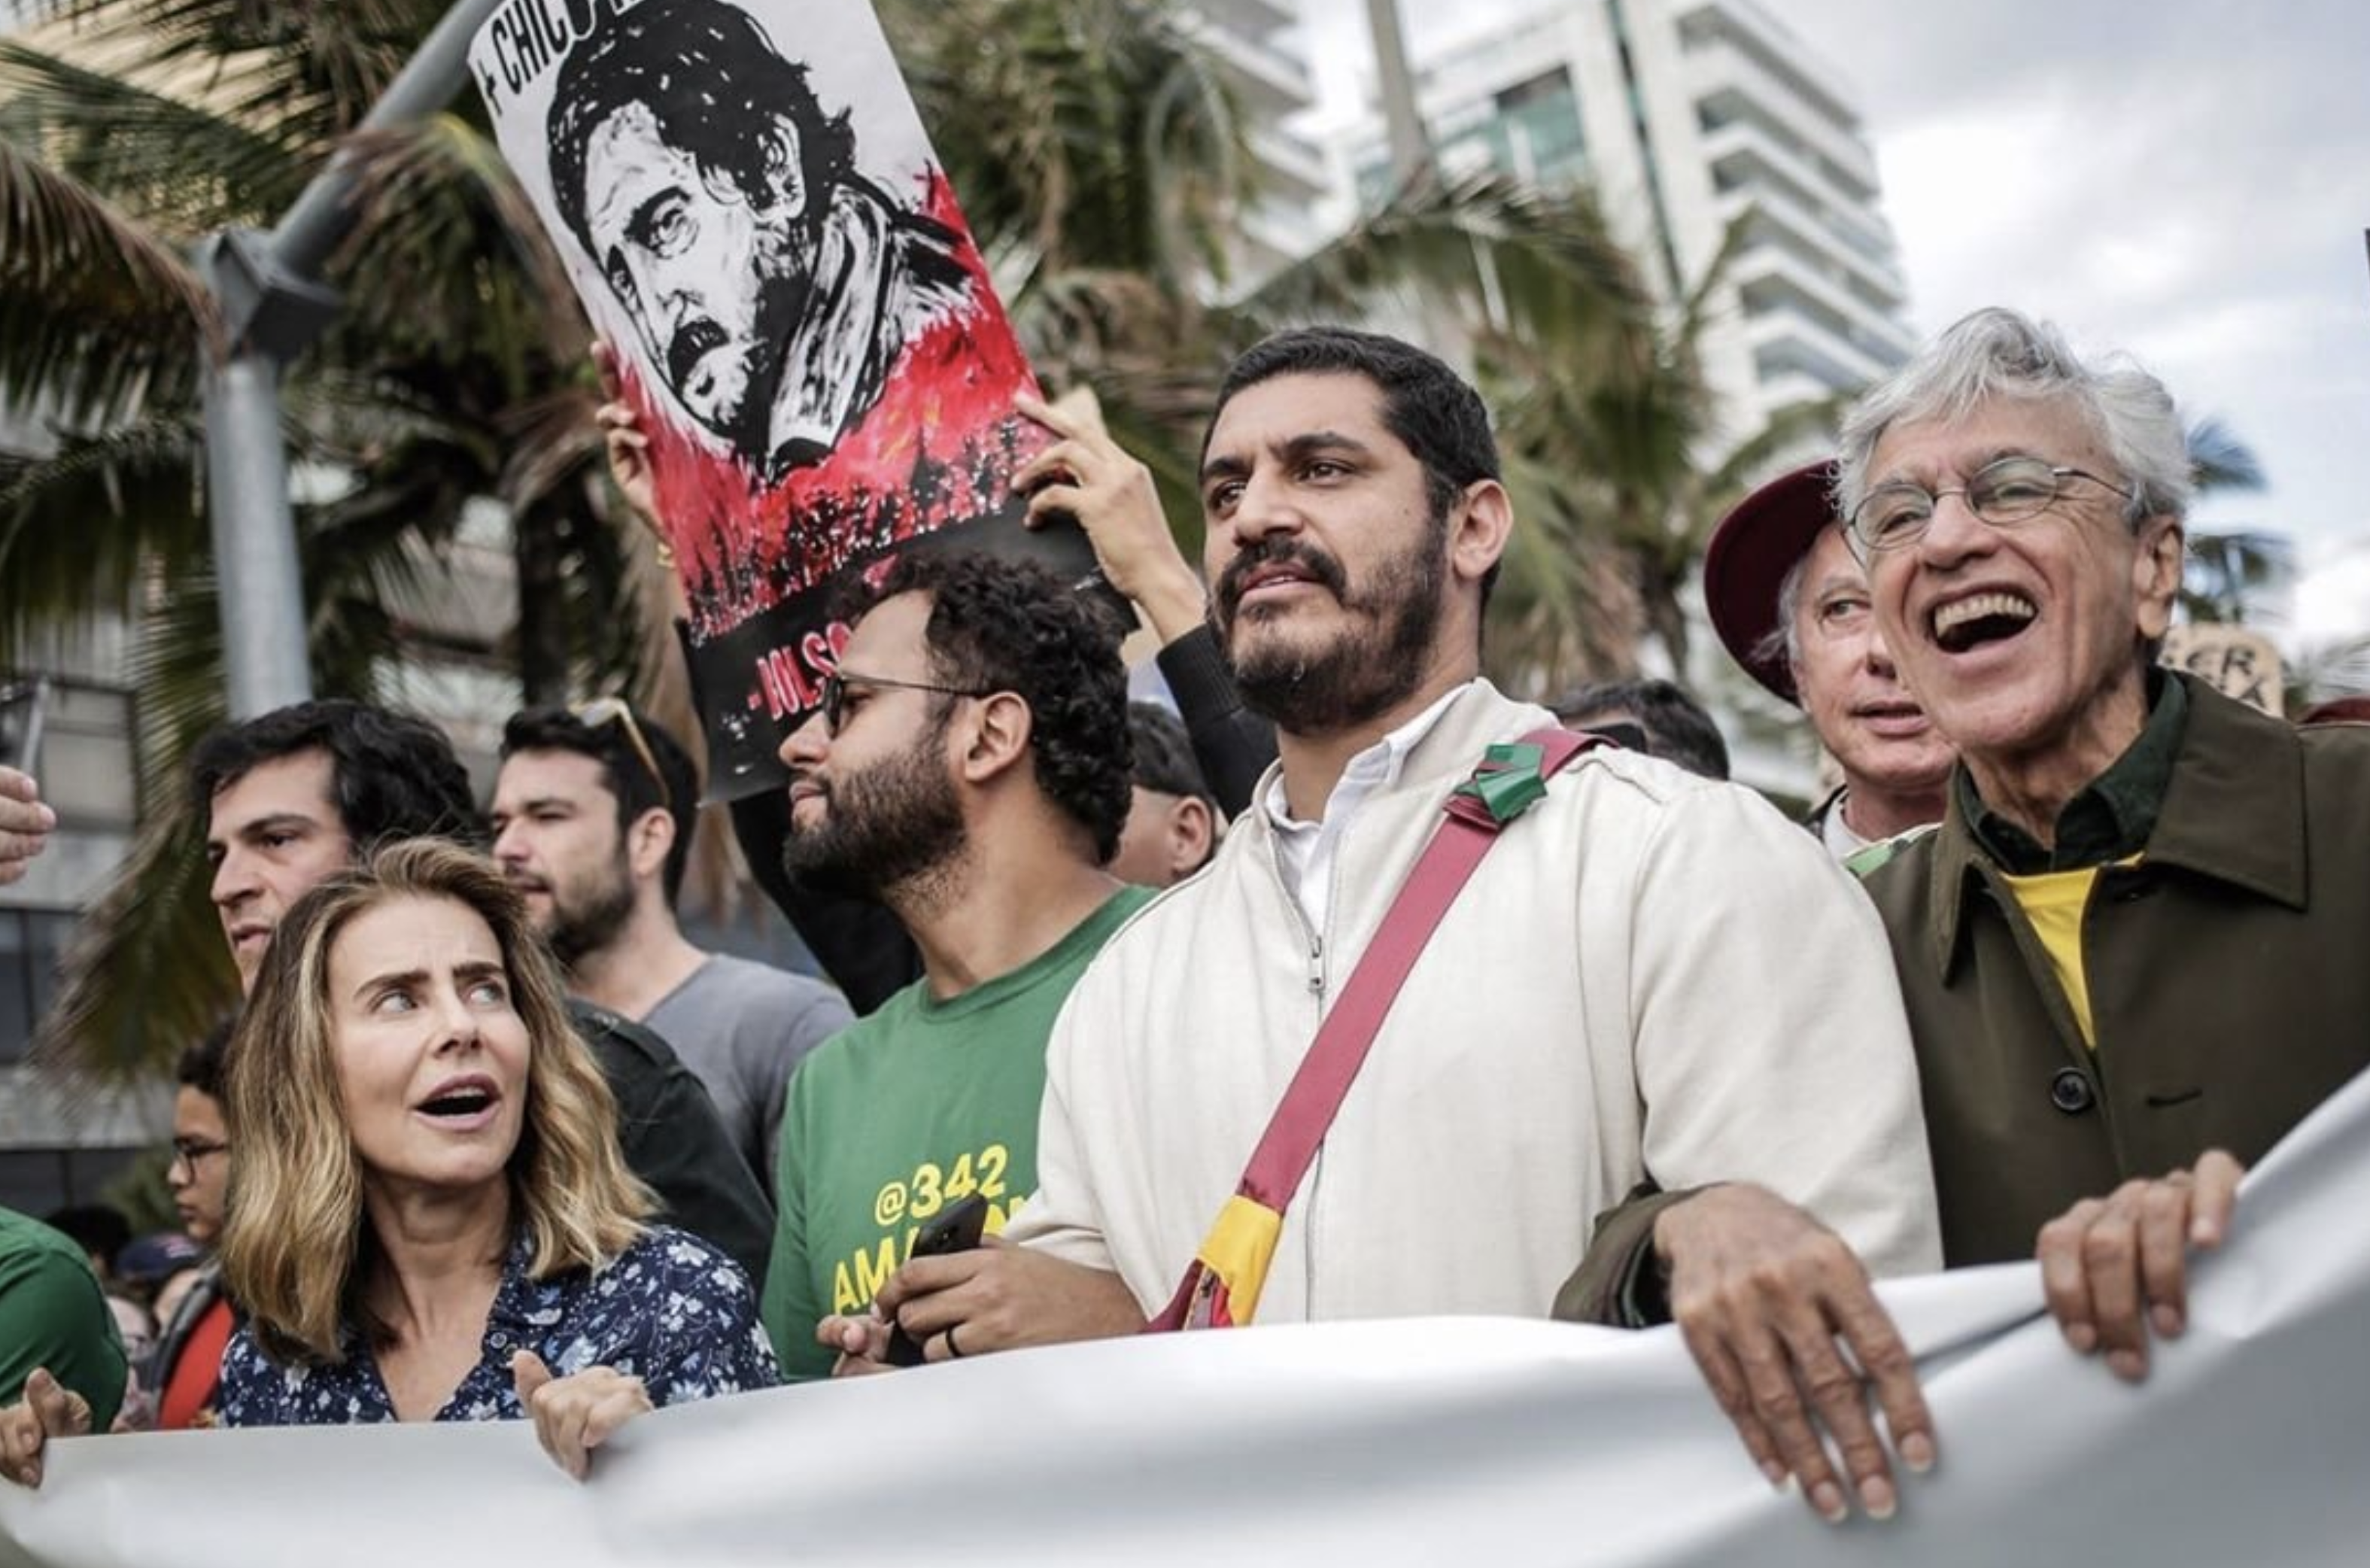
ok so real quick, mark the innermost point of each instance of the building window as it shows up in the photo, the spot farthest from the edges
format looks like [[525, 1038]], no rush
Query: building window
[[32, 943]]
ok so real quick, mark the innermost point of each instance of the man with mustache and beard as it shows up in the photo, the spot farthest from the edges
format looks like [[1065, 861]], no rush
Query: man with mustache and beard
[[970, 770], [593, 818], [770, 283], [1659, 1016]]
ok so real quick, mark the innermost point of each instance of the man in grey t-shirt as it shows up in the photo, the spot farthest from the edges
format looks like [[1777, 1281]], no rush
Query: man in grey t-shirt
[[592, 816], [741, 1027]]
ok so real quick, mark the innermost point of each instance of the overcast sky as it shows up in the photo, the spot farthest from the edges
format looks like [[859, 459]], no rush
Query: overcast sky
[[2187, 179]]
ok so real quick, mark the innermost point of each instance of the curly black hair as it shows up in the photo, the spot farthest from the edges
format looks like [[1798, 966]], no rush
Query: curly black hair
[[1002, 624], [610, 742], [392, 775]]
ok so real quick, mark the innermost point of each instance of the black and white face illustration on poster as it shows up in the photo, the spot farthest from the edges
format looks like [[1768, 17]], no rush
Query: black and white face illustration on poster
[[770, 283], [804, 325]]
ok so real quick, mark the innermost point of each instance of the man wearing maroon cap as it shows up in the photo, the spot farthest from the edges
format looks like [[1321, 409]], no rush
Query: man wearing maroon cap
[[1791, 604]]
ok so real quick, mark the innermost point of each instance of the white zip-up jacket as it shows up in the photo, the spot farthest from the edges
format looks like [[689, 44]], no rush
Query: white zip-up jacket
[[1649, 974]]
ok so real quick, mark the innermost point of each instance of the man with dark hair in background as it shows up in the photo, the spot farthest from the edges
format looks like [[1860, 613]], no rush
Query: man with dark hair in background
[[771, 283], [969, 769], [181, 1372], [1670, 724], [295, 796], [1173, 819], [593, 818]]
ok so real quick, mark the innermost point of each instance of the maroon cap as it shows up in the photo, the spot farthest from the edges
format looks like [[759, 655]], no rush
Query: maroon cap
[[1751, 552]]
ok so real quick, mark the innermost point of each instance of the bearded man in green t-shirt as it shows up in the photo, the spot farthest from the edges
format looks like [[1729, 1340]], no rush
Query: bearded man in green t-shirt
[[969, 769]]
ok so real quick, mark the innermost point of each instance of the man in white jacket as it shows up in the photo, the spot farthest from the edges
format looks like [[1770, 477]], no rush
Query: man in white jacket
[[1658, 1017]]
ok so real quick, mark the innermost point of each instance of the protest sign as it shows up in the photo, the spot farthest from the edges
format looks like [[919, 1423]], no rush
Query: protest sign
[[752, 213], [2240, 664]]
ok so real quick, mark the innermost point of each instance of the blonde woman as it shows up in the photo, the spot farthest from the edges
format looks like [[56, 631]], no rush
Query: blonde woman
[[430, 1220]]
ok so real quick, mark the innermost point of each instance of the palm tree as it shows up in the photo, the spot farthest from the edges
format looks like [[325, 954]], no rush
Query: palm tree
[[128, 131], [1100, 162], [1100, 159], [1613, 429], [2230, 570]]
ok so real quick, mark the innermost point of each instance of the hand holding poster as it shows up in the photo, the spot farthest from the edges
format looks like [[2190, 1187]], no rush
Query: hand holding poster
[[752, 213]]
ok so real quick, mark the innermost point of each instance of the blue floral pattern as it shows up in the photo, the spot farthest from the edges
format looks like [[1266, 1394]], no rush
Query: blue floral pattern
[[669, 1310]]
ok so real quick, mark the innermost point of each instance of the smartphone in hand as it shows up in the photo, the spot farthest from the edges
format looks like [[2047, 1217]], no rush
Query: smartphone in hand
[[956, 1230]]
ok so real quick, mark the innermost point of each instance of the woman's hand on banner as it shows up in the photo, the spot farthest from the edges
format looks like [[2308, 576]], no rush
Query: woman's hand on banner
[[575, 1414], [1088, 477]]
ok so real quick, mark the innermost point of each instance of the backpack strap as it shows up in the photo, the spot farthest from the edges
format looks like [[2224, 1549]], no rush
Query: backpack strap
[[1222, 1287]]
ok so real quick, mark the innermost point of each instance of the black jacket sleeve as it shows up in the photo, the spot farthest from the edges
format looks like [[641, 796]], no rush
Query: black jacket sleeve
[[860, 945], [1233, 744], [676, 1143]]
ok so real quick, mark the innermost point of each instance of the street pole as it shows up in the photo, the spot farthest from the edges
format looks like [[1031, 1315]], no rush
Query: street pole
[[273, 306], [257, 577], [1410, 146]]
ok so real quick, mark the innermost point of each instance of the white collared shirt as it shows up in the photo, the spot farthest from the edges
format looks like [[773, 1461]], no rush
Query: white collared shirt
[[1842, 841], [1306, 851]]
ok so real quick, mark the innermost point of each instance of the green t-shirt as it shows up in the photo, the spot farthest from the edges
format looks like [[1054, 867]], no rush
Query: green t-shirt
[[903, 1114], [53, 1315]]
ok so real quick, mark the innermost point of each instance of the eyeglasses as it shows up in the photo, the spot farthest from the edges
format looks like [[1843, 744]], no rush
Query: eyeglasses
[[835, 693], [189, 1151], [613, 711], [2006, 492]]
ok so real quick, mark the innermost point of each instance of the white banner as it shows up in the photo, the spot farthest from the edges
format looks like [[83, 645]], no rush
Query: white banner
[[1419, 1442]]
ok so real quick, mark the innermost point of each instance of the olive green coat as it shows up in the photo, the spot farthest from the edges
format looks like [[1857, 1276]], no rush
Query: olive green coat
[[2229, 976]]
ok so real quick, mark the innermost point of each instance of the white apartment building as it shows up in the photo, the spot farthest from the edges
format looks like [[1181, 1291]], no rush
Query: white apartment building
[[1684, 115], [1258, 45]]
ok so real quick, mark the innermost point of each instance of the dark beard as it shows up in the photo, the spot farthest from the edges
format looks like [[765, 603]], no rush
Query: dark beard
[[887, 829], [589, 927], [1368, 670]]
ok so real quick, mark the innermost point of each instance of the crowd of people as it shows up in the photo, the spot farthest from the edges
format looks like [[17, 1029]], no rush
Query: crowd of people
[[1445, 1009]]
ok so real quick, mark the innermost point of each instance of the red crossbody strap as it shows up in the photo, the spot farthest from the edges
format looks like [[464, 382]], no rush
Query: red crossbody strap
[[1289, 1146]]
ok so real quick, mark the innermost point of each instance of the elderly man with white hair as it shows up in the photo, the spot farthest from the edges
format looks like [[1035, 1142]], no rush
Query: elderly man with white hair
[[2132, 949]]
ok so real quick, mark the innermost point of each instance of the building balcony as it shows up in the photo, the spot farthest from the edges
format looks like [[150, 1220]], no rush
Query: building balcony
[[1745, 153], [1729, 84], [1791, 337], [1748, 27], [1780, 220], [1786, 388], [1296, 170], [1251, 18], [1273, 82]]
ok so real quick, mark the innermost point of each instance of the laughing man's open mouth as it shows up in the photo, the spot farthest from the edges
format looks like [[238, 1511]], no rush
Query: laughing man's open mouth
[[1982, 617]]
